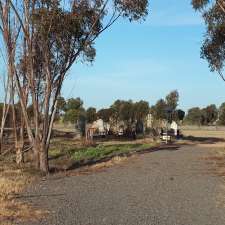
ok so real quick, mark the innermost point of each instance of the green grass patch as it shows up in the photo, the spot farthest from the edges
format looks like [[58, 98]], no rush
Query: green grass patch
[[62, 149], [102, 151], [54, 152]]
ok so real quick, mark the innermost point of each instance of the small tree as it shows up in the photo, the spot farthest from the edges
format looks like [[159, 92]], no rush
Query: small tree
[[73, 103], [194, 116], [221, 120], [61, 106], [210, 114], [91, 115], [104, 114], [141, 110], [172, 100], [159, 110], [126, 113], [179, 115], [73, 110]]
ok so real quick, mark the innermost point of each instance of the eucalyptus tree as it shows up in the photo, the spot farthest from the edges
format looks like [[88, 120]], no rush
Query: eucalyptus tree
[[50, 36], [221, 119], [104, 114], [159, 110], [172, 100], [194, 116], [213, 48], [91, 114]]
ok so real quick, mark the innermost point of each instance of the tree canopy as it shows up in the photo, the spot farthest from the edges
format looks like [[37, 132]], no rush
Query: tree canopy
[[222, 114], [91, 114], [194, 116], [172, 100], [213, 48]]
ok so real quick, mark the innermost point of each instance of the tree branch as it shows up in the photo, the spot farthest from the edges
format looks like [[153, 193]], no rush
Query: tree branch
[[221, 5], [221, 75]]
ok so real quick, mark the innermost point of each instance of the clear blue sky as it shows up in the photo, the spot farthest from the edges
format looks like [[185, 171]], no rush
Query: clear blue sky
[[148, 60]]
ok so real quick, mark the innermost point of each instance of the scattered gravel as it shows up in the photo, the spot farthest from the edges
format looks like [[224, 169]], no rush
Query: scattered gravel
[[166, 187]]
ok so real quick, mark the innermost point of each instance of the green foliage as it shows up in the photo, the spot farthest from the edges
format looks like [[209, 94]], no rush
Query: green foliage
[[166, 109], [179, 115], [101, 151], [222, 114], [71, 116], [194, 116], [199, 4], [104, 114], [70, 28], [129, 111], [213, 50], [81, 121], [141, 110], [159, 110], [134, 9], [205, 116], [73, 110], [74, 103], [115, 107], [172, 100], [210, 114], [61, 106], [91, 115]]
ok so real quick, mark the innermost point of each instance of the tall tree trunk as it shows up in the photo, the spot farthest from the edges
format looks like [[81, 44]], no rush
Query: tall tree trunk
[[16, 143], [20, 147], [43, 157], [44, 167], [5, 113]]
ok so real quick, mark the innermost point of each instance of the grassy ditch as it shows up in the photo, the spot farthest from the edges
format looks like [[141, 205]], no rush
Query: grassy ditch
[[78, 152], [102, 151]]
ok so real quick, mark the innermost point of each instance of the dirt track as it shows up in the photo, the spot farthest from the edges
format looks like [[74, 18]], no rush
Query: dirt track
[[166, 187]]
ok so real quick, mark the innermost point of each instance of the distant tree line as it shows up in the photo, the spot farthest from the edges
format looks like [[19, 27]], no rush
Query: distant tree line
[[73, 111], [129, 112], [210, 115], [166, 109]]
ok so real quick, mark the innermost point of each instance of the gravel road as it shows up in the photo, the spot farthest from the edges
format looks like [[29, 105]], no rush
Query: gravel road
[[166, 187]]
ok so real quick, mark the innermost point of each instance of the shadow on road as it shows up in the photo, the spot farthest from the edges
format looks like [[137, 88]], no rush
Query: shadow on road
[[203, 140], [38, 196]]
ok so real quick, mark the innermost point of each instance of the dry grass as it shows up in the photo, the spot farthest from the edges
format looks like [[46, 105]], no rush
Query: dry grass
[[115, 160], [204, 133], [12, 182], [207, 138], [211, 139], [217, 165], [216, 159], [137, 141]]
